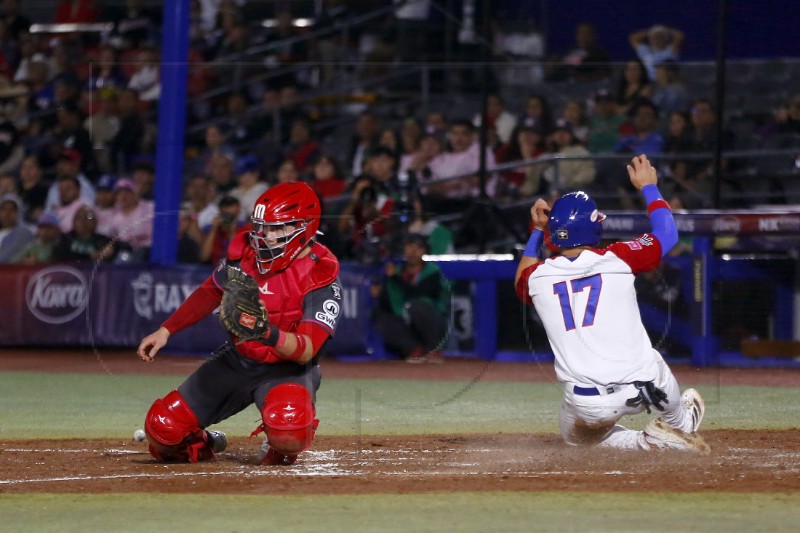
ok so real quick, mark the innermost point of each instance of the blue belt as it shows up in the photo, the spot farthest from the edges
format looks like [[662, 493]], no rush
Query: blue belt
[[594, 391]]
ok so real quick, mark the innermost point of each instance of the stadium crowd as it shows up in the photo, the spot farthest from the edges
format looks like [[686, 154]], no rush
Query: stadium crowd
[[77, 132]]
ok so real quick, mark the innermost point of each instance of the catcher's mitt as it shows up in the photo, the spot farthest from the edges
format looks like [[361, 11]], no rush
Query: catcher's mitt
[[240, 311]]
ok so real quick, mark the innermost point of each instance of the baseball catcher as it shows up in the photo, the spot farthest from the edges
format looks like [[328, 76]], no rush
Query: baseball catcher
[[587, 302], [279, 296]]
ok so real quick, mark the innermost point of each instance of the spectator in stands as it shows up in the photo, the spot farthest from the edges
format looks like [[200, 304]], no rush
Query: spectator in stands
[[327, 177], [14, 234], [390, 139], [222, 176], [604, 124], [463, 158], [69, 134], [786, 119], [76, 12], [33, 189], [8, 184], [574, 115], [431, 145], [69, 201], [679, 133], [367, 220], [586, 61], [436, 123], [302, 147], [104, 204], [645, 138], [83, 243], [135, 24], [17, 24], [42, 90], [269, 118], [106, 72], [103, 126], [225, 226], [249, 185], [39, 251], [529, 143], [410, 134], [632, 87], [216, 144], [655, 45], [188, 249], [68, 165], [695, 187], [143, 174], [200, 206], [669, 93], [499, 118], [133, 220], [286, 173], [237, 121], [67, 90], [28, 51], [146, 78], [127, 143], [413, 303], [537, 114], [231, 39], [11, 151], [366, 139], [568, 175]]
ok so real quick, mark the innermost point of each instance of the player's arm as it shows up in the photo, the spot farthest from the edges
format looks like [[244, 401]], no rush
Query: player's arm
[[540, 213], [644, 178], [198, 305], [321, 310]]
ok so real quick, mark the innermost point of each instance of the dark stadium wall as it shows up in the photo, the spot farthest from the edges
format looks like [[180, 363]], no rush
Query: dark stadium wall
[[756, 29]]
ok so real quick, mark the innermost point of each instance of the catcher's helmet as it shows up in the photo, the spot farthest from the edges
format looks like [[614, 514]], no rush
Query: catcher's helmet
[[575, 221], [285, 219]]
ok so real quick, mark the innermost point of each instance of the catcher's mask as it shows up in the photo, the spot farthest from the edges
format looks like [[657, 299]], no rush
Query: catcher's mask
[[285, 219], [575, 221]]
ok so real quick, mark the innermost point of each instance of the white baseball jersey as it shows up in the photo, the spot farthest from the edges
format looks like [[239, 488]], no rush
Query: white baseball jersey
[[589, 310]]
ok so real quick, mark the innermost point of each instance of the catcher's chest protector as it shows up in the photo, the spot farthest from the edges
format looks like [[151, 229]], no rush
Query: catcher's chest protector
[[283, 293]]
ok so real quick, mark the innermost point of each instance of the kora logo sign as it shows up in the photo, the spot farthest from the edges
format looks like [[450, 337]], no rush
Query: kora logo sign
[[56, 295]]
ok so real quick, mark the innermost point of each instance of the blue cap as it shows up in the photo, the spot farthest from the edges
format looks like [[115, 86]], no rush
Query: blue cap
[[575, 221], [47, 219], [248, 163], [106, 181]]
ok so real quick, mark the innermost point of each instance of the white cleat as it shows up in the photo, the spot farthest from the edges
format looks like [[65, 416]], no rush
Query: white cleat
[[693, 402], [659, 434]]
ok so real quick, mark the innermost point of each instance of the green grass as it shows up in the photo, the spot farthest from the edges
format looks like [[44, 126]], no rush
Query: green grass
[[451, 512], [49, 406], [40, 405]]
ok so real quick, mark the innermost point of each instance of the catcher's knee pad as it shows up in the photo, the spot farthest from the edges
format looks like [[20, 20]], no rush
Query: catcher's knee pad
[[288, 415], [173, 431]]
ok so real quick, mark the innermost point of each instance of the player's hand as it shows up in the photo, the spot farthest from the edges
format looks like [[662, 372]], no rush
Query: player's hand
[[642, 172], [151, 344], [540, 214]]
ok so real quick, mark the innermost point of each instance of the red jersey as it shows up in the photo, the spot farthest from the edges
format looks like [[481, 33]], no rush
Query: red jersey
[[305, 298]]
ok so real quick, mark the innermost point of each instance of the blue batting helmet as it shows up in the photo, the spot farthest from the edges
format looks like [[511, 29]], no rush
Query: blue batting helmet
[[575, 221]]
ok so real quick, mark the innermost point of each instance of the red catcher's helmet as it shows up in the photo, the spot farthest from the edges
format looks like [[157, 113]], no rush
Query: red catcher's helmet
[[285, 219]]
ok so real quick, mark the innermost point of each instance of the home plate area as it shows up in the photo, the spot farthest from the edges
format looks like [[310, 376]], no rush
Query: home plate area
[[765, 461]]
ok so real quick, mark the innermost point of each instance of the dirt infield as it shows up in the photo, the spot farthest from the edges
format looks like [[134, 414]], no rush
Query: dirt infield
[[740, 461]]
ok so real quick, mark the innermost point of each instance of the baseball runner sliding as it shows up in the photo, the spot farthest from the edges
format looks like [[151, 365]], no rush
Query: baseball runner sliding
[[279, 297], [586, 299]]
